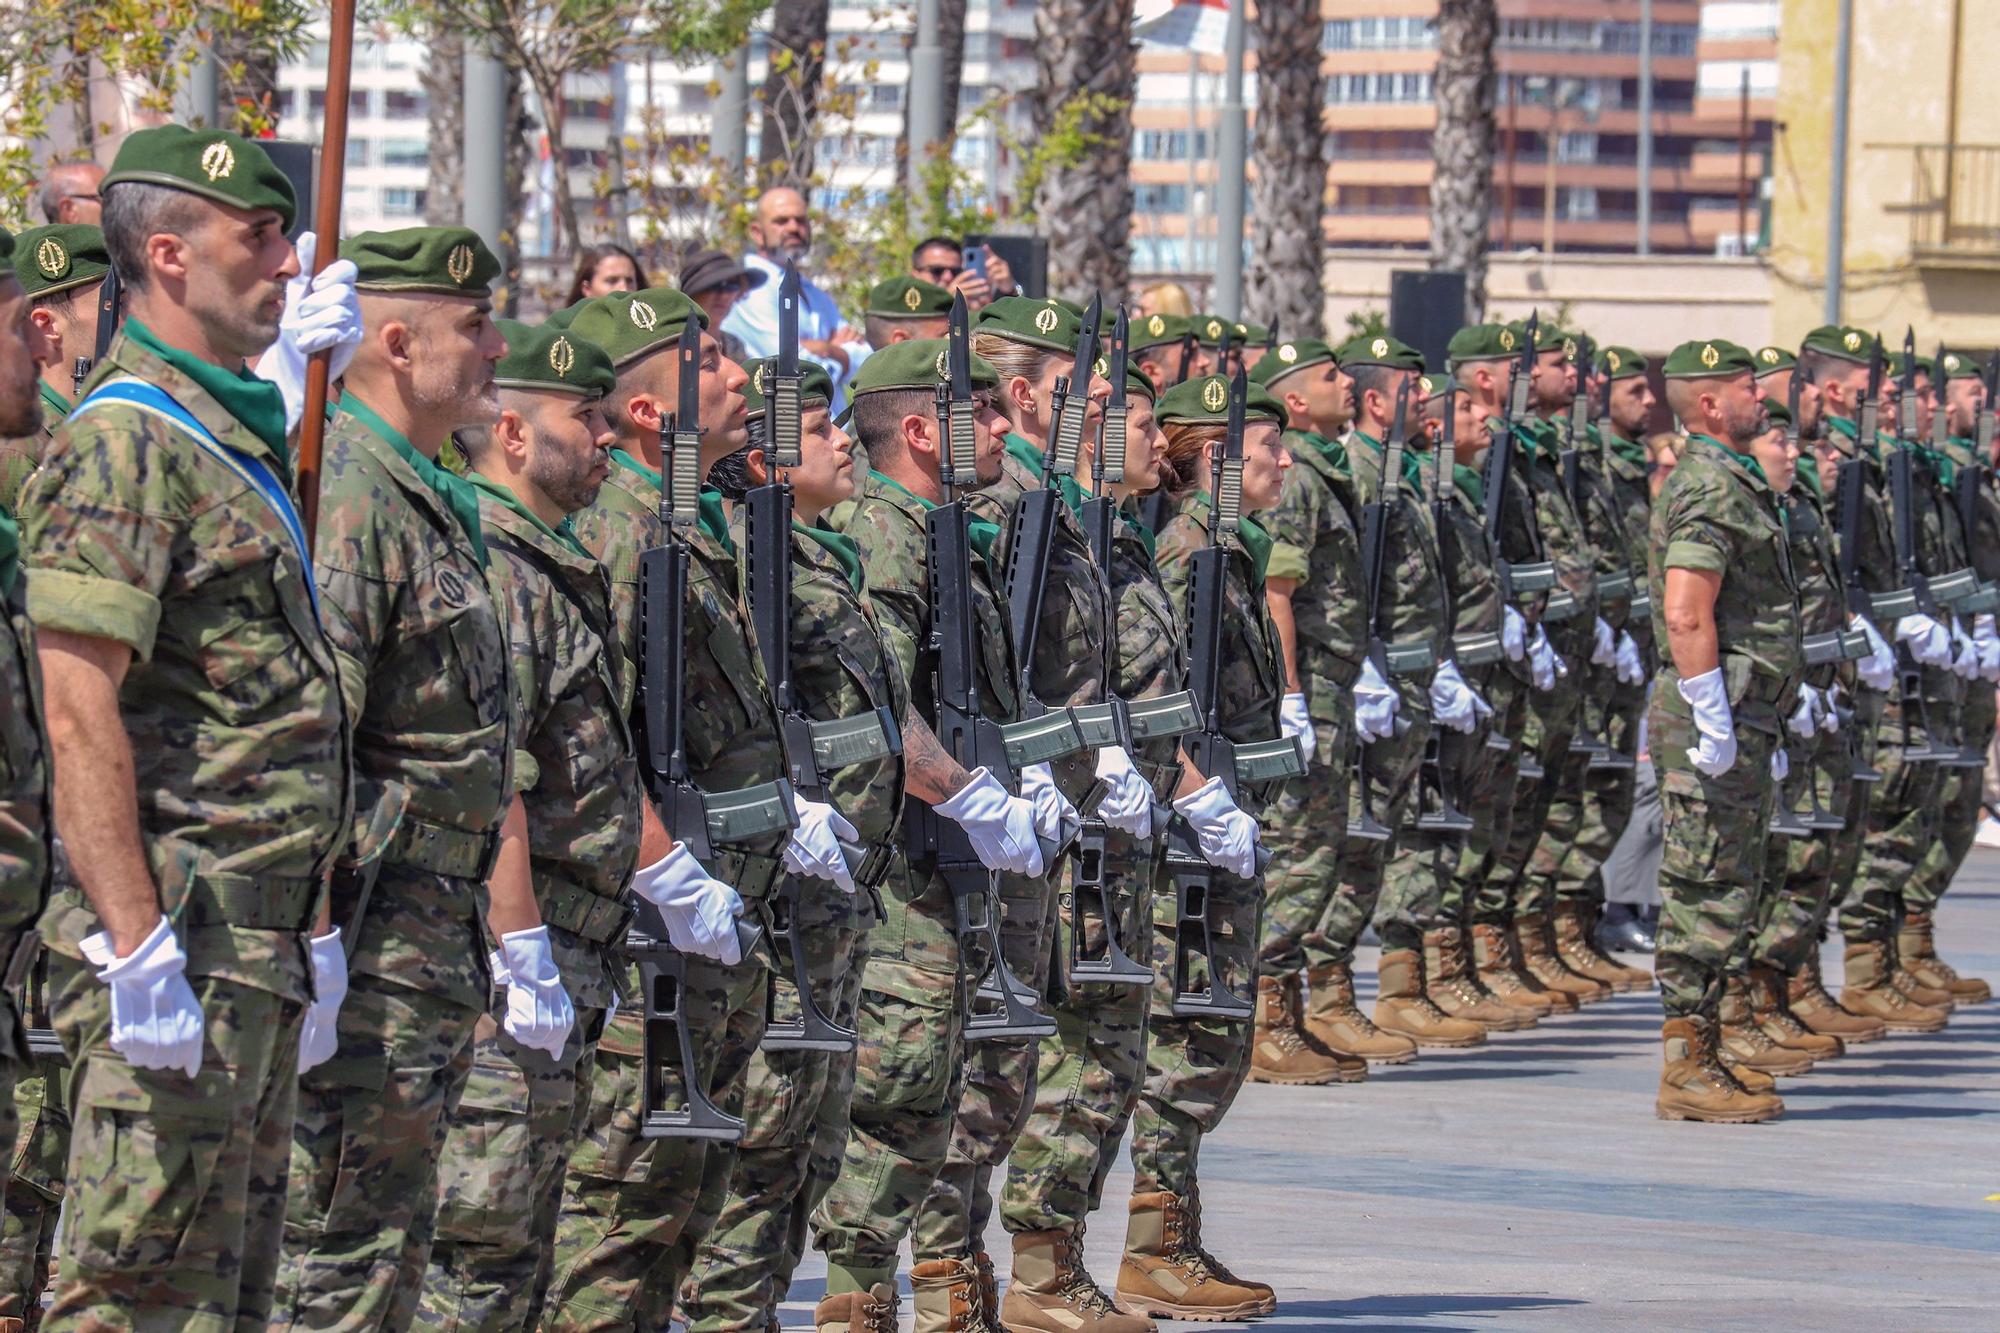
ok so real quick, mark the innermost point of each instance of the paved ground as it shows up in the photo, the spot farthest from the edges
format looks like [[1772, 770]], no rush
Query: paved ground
[[1527, 1185]]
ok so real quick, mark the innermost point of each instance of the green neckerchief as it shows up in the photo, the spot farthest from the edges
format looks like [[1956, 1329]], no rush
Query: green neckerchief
[[711, 519], [839, 546], [252, 400], [1941, 462], [1470, 482], [456, 492], [565, 533], [980, 532], [1629, 450], [1808, 472], [10, 551], [1333, 451], [54, 401], [1029, 457], [1413, 462], [631, 464], [1745, 461], [1129, 511], [1851, 429], [1540, 437], [1257, 543]]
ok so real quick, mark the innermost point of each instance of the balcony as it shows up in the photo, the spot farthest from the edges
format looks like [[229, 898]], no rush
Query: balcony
[[1954, 205]]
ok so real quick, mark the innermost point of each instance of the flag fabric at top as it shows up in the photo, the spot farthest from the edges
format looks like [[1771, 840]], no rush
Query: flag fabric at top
[[1192, 25]]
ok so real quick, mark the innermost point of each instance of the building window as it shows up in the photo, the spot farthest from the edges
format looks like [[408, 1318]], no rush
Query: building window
[[398, 202], [1580, 203], [1159, 199], [405, 153], [1378, 88], [401, 105], [1402, 33]]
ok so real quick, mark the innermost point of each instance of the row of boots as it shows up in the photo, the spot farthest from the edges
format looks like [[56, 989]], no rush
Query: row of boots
[[1445, 996]]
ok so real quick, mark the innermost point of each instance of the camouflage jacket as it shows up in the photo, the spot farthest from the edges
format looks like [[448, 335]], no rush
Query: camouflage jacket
[[240, 743], [1467, 554], [574, 764], [1149, 658], [1314, 541], [1537, 465], [1718, 515], [27, 822], [1629, 481], [1597, 506], [623, 521], [1412, 591], [1520, 526], [1822, 605], [1252, 677], [1973, 480]]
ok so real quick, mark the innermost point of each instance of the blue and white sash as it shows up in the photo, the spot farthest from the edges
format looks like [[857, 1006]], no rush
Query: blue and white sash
[[254, 472]]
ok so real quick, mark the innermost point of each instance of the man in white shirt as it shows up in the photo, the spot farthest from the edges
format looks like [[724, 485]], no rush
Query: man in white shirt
[[781, 233]]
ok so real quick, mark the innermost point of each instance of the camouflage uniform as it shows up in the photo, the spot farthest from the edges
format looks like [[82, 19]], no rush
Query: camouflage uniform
[[1314, 541], [1087, 1079], [20, 456], [628, 1198], [911, 1018], [794, 1101], [500, 1178], [1717, 514], [424, 669], [241, 752], [1072, 644]]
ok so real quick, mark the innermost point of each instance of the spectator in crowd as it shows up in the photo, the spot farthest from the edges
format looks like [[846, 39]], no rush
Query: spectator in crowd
[[605, 268], [781, 234], [1166, 298], [69, 194], [715, 282], [941, 260]]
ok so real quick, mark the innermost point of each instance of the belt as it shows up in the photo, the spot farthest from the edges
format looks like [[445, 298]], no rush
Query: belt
[[583, 913], [443, 850], [250, 902], [751, 874]]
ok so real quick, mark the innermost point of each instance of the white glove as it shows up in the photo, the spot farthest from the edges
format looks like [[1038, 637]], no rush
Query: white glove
[[1604, 652], [1930, 642], [1453, 702], [1806, 717], [320, 312], [156, 1022], [321, 1037], [1000, 824], [1128, 798], [1542, 661], [1988, 638], [1054, 815], [1781, 764], [1375, 704], [1878, 669], [1631, 670], [1709, 697], [1829, 716], [1965, 652], [1513, 634], [814, 848], [1228, 837], [700, 911], [1296, 721], [539, 1012]]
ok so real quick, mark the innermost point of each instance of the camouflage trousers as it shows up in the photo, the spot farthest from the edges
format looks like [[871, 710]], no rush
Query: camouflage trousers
[[1902, 821], [1545, 734], [996, 1089], [1711, 874], [794, 1107], [1486, 795], [176, 1185], [371, 1126], [1959, 805], [1194, 1066], [1799, 872], [1304, 830], [1086, 1078], [1588, 813], [628, 1199], [1419, 885], [500, 1178], [34, 1188], [1391, 766]]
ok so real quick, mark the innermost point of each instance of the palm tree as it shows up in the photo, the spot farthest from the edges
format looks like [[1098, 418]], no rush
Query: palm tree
[[1086, 60], [1462, 179], [1288, 192]]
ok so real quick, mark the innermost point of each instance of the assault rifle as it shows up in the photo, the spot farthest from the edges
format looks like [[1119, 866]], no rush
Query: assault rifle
[[1208, 748], [698, 819], [1436, 811], [1848, 496], [1835, 645], [109, 312], [1516, 579], [813, 750], [1916, 584], [1602, 754]]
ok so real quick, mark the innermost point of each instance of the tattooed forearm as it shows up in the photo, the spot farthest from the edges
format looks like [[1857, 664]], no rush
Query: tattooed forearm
[[929, 774]]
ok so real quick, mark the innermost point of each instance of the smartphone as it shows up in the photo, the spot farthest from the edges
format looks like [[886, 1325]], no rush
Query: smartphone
[[975, 260]]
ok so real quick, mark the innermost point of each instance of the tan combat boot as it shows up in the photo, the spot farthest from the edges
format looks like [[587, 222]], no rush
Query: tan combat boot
[[1165, 1274], [1771, 1010], [947, 1296], [1333, 1020], [1538, 957], [1809, 1002], [1279, 1051], [1052, 1292], [1916, 945], [1931, 997], [871, 1311], [1743, 1044], [1580, 954], [1501, 974], [1695, 1086], [1403, 1007], [1867, 990], [1454, 987]]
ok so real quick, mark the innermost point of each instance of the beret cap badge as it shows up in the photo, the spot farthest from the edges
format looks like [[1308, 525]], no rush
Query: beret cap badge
[[1379, 347], [1852, 341], [644, 315], [1288, 354], [217, 161], [912, 299], [1046, 320], [459, 263], [1156, 326], [1506, 340], [1710, 357], [1214, 396], [562, 357], [51, 258]]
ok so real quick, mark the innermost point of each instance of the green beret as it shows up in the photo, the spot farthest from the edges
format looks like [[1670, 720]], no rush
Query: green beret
[[1708, 359], [814, 382], [1845, 343], [214, 164], [1048, 325], [1894, 363], [1483, 342], [562, 318], [1620, 363], [1379, 349], [1780, 414], [54, 259], [1137, 383], [1153, 330], [1550, 338], [437, 261], [1208, 330], [1207, 400], [1771, 360], [552, 359], [1246, 332], [1431, 386], [1286, 357], [628, 325], [1959, 367], [1074, 307], [917, 364], [908, 298]]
